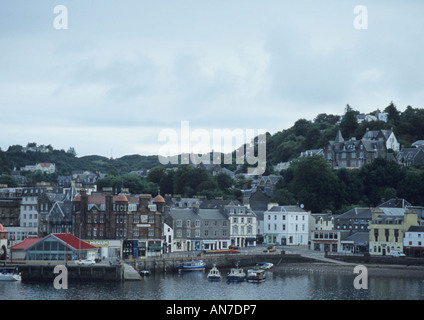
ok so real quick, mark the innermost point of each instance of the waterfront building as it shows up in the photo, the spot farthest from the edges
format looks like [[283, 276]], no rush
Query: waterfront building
[[18, 251], [357, 242], [186, 225], [355, 220], [215, 229], [413, 242], [243, 226], [199, 229], [286, 225], [135, 220], [388, 227], [61, 248], [328, 240]]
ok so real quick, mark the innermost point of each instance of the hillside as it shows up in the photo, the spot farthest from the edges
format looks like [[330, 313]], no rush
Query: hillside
[[282, 146]]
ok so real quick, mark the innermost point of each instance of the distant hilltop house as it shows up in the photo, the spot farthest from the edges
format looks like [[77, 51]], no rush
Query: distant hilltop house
[[375, 116], [34, 148], [354, 153], [43, 167]]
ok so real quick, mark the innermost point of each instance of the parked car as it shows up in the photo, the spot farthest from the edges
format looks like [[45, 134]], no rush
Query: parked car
[[395, 253], [270, 249], [234, 247], [86, 262]]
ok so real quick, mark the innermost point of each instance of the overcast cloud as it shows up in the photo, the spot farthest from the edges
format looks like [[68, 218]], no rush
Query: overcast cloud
[[123, 71]]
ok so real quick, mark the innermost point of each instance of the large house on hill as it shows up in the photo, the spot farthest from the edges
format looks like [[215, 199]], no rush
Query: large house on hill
[[353, 153]]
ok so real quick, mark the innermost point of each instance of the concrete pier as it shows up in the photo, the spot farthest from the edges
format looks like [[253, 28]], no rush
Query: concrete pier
[[130, 273], [100, 272]]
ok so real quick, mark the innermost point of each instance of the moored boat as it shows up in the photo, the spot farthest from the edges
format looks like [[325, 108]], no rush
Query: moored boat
[[265, 265], [145, 273], [236, 275], [10, 276], [256, 275], [214, 274], [194, 265]]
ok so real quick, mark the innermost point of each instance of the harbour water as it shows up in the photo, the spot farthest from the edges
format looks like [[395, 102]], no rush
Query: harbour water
[[279, 285]]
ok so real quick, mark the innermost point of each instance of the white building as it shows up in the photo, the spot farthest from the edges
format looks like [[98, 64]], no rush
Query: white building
[[413, 241], [29, 210], [286, 225], [243, 225]]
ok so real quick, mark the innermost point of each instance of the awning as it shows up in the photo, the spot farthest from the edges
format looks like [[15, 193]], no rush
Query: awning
[[155, 248]]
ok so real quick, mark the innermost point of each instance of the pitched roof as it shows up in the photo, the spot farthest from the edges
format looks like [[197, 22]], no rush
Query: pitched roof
[[25, 243], [286, 209], [73, 241]]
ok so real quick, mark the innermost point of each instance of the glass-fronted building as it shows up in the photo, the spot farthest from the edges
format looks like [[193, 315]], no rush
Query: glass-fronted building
[[61, 247]]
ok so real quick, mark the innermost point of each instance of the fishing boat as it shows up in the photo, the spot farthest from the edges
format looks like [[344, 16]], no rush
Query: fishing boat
[[214, 274], [256, 275], [236, 275], [194, 265], [6, 275]]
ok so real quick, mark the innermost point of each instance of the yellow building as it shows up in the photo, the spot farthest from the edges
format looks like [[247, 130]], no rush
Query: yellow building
[[387, 229]]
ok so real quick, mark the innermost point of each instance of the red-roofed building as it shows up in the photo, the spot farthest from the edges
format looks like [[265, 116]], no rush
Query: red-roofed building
[[17, 252], [60, 247]]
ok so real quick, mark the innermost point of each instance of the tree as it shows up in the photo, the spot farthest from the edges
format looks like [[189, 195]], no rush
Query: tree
[[393, 115], [378, 176], [224, 181], [315, 184], [348, 124], [155, 174]]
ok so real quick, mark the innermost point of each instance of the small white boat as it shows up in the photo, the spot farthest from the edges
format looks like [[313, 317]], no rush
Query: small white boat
[[214, 274], [256, 275], [145, 273], [8, 276], [236, 275], [265, 265]]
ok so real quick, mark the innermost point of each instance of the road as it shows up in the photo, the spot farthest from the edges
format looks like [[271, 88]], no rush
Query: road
[[302, 250]]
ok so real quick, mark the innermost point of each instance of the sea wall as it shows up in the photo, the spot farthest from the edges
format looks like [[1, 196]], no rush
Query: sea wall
[[221, 261]]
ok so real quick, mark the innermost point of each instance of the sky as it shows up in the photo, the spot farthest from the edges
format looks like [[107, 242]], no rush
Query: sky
[[122, 72]]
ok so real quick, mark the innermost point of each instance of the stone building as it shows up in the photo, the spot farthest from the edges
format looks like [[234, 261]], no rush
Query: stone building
[[135, 220]]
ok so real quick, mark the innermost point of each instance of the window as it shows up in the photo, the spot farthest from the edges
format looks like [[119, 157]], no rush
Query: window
[[179, 223], [188, 223]]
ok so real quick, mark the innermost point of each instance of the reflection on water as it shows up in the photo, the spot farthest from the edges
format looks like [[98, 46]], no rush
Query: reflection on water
[[195, 286]]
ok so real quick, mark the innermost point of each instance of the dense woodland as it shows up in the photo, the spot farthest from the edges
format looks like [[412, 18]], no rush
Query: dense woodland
[[308, 181]]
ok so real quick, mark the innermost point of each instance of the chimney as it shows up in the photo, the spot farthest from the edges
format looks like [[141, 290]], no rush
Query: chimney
[[145, 200]]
